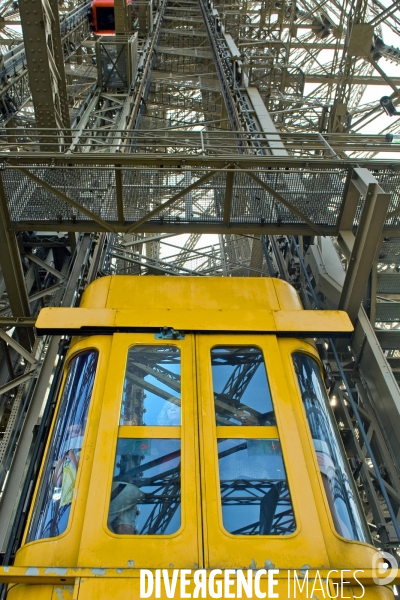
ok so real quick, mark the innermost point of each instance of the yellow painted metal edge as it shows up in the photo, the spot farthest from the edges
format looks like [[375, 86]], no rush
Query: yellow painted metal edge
[[54, 575], [313, 320], [149, 431], [77, 320], [247, 431]]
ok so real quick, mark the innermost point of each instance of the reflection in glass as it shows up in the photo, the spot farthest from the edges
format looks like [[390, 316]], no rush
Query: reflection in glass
[[146, 488], [53, 502], [333, 465], [152, 386], [241, 390], [254, 492]]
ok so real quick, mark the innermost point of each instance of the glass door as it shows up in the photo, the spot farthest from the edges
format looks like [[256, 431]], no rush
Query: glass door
[[146, 481], [199, 461], [251, 458]]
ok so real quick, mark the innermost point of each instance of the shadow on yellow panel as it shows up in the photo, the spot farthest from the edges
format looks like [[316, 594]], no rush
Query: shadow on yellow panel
[[40, 592]]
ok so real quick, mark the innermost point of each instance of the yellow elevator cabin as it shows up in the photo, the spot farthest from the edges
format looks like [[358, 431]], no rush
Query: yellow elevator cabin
[[193, 432]]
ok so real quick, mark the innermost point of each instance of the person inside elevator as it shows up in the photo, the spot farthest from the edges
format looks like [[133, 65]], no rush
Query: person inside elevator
[[66, 468], [170, 414], [125, 495]]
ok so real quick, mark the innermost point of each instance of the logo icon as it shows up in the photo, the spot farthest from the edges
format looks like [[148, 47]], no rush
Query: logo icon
[[384, 563]]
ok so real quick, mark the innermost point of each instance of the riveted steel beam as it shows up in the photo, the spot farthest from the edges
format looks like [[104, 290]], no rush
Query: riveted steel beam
[[12, 271], [16, 382], [228, 196], [121, 16], [45, 61], [367, 241], [17, 321], [44, 265], [20, 349]]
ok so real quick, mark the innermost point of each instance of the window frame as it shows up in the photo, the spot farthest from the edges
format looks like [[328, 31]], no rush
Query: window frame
[[224, 550], [220, 427], [96, 536], [267, 432], [80, 348], [158, 536], [315, 356], [150, 432]]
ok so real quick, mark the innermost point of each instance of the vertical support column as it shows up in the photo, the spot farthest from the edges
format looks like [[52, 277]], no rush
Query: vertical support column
[[267, 125], [12, 271], [366, 243], [256, 258], [58, 56], [230, 177], [121, 15], [44, 55], [145, 17]]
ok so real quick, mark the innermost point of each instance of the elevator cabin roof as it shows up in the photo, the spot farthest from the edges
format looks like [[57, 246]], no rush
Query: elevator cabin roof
[[189, 304]]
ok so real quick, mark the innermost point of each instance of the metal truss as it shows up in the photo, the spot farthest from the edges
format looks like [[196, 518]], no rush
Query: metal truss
[[245, 195], [242, 493], [282, 49], [14, 78], [25, 375], [285, 47], [165, 499]]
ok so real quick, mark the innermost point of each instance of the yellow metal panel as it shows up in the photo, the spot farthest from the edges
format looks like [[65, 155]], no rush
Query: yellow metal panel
[[193, 304], [75, 318], [155, 431], [121, 588], [198, 319], [231, 431], [40, 592], [285, 321], [96, 294], [63, 592], [324, 321], [38, 577], [116, 590], [287, 296], [213, 293]]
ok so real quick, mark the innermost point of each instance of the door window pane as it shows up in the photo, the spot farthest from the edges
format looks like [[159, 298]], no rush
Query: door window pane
[[146, 488], [333, 465], [254, 492], [152, 386], [241, 390], [53, 502]]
